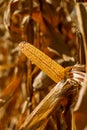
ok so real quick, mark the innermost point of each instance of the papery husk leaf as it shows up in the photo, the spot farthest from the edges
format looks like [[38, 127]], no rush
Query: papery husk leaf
[[47, 105]]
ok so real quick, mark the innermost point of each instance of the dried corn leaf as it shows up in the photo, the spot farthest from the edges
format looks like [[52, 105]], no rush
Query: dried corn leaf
[[82, 20], [3, 67], [8, 92], [42, 81], [56, 41], [47, 105], [80, 111]]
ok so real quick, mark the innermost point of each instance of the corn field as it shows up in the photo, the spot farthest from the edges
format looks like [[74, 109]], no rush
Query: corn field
[[43, 65]]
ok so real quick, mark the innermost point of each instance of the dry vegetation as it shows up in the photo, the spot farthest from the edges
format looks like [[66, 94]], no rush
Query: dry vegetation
[[43, 59]]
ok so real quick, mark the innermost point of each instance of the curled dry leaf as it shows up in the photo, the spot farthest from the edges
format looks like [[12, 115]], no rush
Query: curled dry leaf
[[82, 20], [47, 105], [10, 89], [41, 81], [80, 111]]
